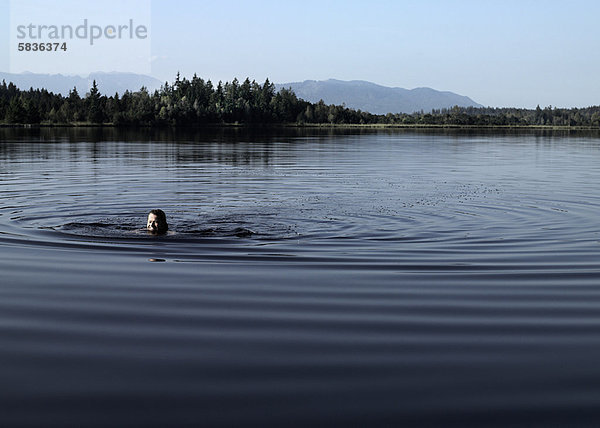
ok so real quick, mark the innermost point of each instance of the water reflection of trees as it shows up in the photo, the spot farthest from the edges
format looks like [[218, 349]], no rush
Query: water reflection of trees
[[227, 145]]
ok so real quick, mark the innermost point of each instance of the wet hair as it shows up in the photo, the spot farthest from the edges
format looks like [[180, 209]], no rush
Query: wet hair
[[162, 220]]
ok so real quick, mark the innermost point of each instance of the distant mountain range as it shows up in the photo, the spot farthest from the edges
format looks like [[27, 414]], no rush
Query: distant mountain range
[[367, 96], [108, 83], [356, 94]]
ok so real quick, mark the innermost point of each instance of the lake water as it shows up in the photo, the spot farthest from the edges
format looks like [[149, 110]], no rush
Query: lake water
[[309, 278]]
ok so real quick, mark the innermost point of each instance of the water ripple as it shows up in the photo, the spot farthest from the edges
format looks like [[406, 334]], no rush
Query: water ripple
[[385, 279]]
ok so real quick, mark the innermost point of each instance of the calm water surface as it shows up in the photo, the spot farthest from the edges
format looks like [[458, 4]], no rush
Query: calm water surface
[[308, 279]]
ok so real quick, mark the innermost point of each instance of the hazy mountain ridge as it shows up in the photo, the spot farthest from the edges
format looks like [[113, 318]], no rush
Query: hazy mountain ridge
[[356, 94], [108, 83], [367, 96]]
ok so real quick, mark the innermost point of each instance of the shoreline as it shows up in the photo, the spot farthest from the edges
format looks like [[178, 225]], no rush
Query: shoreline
[[304, 125]]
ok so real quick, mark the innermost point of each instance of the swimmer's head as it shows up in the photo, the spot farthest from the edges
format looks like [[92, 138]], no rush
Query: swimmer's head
[[157, 222]]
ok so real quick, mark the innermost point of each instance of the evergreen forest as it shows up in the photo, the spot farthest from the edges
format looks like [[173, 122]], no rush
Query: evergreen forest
[[196, 102]]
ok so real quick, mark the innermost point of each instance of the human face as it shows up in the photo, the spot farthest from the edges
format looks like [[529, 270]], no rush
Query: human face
[[153, 224]]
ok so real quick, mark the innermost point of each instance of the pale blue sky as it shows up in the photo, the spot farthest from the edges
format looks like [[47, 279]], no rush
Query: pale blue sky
[[500, 53]]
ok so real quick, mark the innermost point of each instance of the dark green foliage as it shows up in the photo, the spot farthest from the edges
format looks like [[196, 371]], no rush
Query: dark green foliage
[[196, 101], [95, 105], [16, 112]]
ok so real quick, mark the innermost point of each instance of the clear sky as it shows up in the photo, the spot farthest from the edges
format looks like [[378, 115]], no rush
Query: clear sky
[[500, 53]]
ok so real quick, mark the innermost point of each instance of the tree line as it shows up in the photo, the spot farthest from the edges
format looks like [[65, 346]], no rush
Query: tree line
[[188, 102]]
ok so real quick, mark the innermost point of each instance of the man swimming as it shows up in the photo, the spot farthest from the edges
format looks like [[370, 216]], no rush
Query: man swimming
[[157, 222]]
